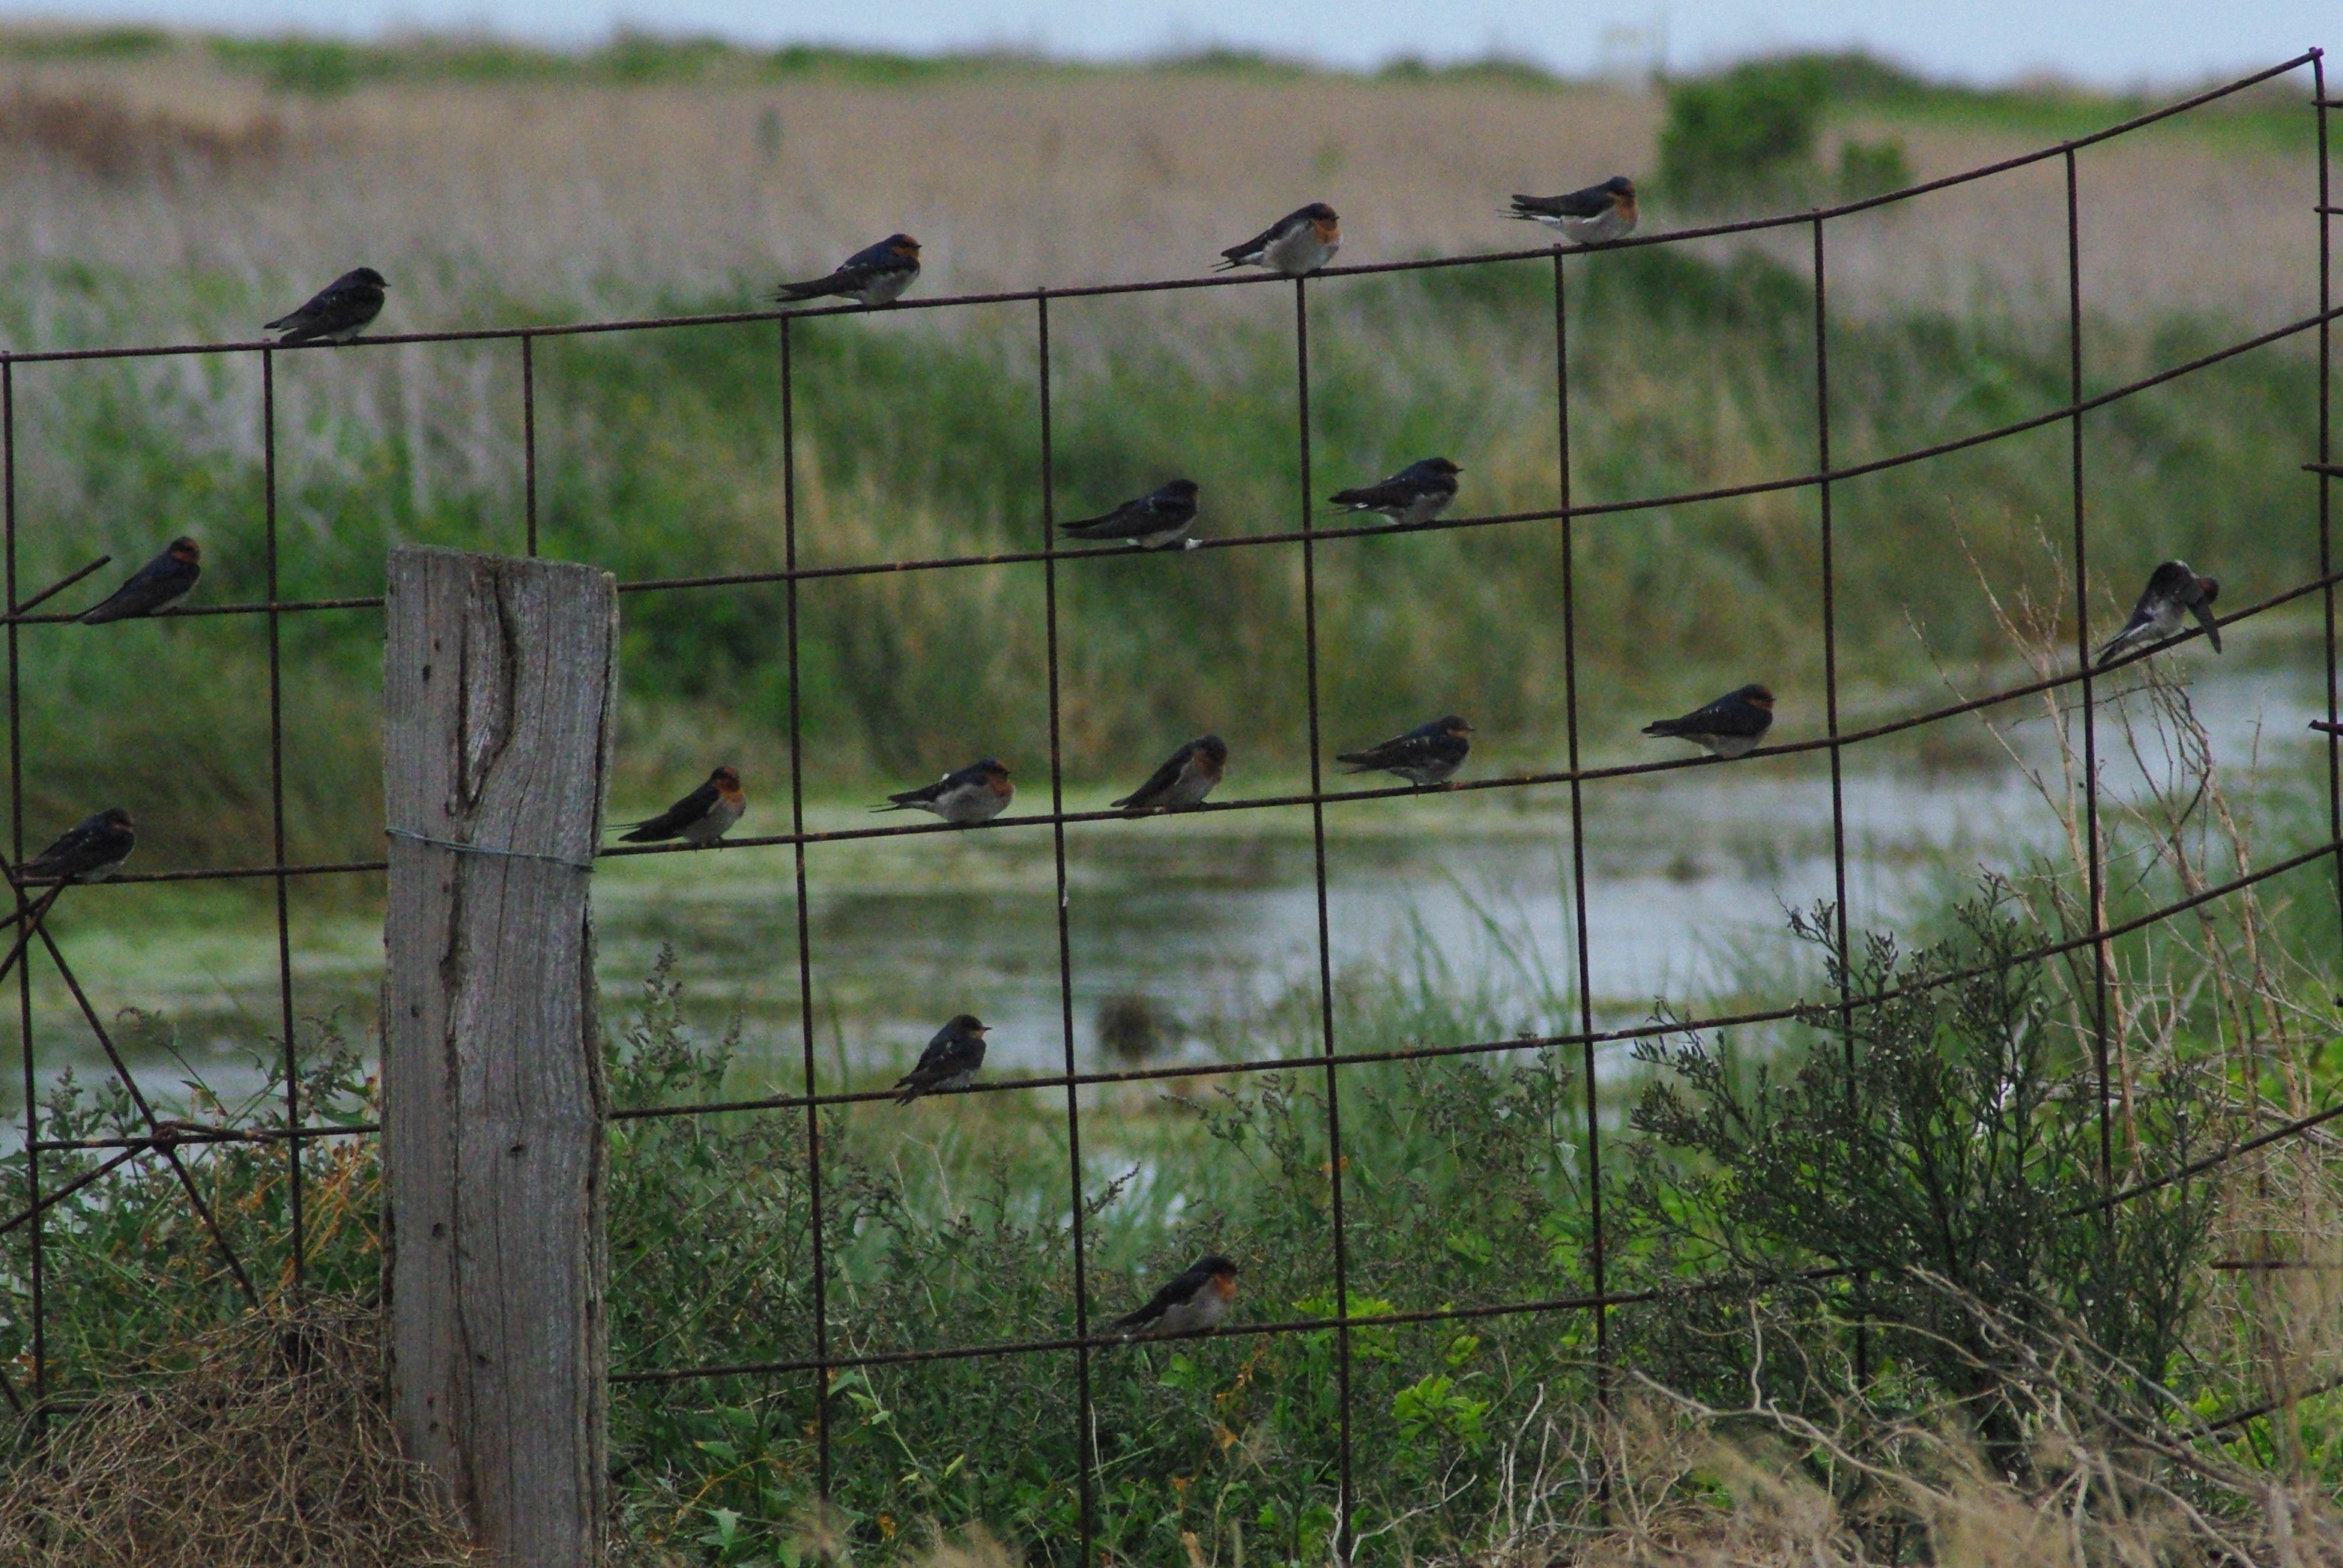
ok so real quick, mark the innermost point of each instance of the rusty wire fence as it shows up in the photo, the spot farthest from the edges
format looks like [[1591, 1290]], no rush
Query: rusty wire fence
[[173, 1142]]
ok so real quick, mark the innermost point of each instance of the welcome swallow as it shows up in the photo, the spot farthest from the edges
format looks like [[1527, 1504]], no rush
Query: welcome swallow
[[156, 587], [2174, 589], [701, 818], [1730, 726], [1162, 516], [1302, 241], [1427, 754], [875, 274], [89, 851], [1587, 217], [336, 313], [1416, 494], [950, 1060], [976, 793], [1186, 776], [1198, 1299]]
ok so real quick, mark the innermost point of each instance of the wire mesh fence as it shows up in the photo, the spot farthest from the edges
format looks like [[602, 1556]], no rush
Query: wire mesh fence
[[176, 1143]]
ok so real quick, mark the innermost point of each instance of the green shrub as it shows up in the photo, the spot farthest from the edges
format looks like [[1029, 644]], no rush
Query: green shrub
[[1742, 137]]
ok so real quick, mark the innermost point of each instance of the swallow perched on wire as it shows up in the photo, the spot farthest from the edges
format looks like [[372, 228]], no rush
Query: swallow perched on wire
[[1186, 776], [1730, 726], [976, 793], [950, 1060], [1416, 494], [336, 313], [875, 274], [701, 818], [1427, 754], [156, 587], [91, 850], [2174, 589], [1159, 518], [1302, 241], [1198, 1299], [1587, 217]]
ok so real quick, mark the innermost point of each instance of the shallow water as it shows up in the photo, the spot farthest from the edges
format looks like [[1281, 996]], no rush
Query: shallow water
[[1689, 876]]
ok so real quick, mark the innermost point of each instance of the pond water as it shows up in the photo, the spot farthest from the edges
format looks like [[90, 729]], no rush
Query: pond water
[[1194, 925]]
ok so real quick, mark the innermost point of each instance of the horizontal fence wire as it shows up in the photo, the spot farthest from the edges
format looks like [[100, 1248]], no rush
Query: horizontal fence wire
[[166, 1138]]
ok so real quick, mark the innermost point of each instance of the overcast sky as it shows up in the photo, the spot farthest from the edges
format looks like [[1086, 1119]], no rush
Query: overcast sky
[[2100, 41]]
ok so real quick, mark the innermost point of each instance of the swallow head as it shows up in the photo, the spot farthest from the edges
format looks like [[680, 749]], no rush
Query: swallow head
[[368, 277], [966, 1024], [2207, 590], [995, 775], [1322, 222], [1222, 1271], [1455, 725], [1212, 753], [904, 245], [727, 780], [1440, 466], [1756, 695], [117, 818], [185, 550], [1179, 489], [1620, 188]]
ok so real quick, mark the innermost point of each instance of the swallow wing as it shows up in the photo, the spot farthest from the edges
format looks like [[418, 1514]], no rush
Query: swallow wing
[[1592, 202], [1238, 255], [152, 585], [1159, 781], [836, 282], [675, 817], [1390, 492], [1131, 518]]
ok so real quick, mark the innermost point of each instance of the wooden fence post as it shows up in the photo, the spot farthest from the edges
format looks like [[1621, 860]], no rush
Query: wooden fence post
[[498, 685]]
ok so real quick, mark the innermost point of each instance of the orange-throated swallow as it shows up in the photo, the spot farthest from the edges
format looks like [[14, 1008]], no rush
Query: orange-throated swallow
[[701, 818], [876, 275], [1730, 726], [2174, 589], [976, 793], [1428, 754], [156, 587], [950, 1060], [336, 313], [1198, 1299], [1416, 494], [91, 850], [1186, 776], [1302, 241], [1587, 217], [1157, 519]]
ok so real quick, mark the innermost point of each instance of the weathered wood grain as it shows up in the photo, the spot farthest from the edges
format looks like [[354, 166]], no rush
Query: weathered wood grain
[[499, 683]]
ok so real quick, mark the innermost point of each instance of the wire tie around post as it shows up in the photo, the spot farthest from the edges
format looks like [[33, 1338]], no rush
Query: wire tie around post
[[409, 833]]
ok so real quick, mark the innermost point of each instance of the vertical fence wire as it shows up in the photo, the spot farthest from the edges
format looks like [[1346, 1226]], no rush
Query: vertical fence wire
[[34, 1238], [1578, 820], [805, 927], [2096, 873], [2327, 458], [1830, 714], [528, 439], [1084, 1418], [276, 816], [1325, 943]]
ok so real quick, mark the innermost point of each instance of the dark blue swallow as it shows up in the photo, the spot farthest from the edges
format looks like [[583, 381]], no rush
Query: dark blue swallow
[[1428, 754], [1162, 516], [1186, 776], [156, 587], [976, 793], [1416, 494], [1587, 217], [1302, 241], [1195, 1300], [876, 274], [89, 851], [2174, 589], [950, 1060], [701, 818], [336, 313], [1730, 726]]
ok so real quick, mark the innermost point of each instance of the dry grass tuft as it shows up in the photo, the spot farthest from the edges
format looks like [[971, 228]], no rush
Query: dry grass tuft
[[99, 135], [273, 1447]]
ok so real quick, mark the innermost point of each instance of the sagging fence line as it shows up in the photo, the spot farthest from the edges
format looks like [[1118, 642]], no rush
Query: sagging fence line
[[167, 1139]]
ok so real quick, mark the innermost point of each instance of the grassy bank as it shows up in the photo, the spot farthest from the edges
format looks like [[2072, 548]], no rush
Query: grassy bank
[[660, 457]]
